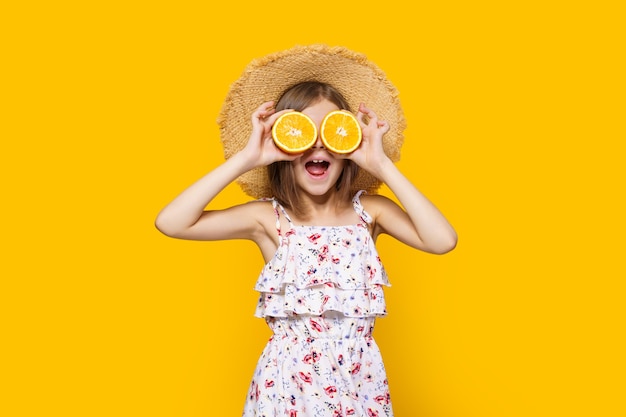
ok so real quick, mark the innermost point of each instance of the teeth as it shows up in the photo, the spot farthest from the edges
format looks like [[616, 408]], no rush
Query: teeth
[[317, 161]]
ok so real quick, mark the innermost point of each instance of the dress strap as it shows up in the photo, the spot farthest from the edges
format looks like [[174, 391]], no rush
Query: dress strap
[[358, 207], [278, 206]]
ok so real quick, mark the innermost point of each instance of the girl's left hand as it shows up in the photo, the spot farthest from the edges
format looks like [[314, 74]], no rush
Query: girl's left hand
[[370, 155]]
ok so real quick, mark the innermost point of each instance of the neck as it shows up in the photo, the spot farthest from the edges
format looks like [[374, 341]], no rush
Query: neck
[[323, 208]]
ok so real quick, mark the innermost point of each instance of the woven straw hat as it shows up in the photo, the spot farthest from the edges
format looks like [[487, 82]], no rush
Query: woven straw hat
[[265, 79]]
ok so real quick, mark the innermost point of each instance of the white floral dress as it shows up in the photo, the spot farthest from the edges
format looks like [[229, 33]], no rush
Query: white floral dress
[[320, 295]]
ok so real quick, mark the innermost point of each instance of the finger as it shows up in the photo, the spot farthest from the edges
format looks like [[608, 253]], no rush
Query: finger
[[366, 110], [266, 105], [371, 115], [361, 115], [263, 110]]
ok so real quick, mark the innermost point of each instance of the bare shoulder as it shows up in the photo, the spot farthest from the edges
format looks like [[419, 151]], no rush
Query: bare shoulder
[[261, 204], [264, 214], [383, 211], [262, 211], [375, 204]]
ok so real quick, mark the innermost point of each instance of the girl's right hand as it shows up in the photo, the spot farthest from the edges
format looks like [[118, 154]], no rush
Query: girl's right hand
[[261, 147]]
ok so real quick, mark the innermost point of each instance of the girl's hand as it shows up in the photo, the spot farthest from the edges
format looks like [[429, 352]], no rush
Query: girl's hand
[[260, 147], [370, 155]]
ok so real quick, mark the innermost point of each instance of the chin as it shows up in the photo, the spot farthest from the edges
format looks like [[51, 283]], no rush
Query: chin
[[317, 190]]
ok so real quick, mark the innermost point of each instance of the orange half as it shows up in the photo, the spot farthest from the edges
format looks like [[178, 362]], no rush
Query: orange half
[[294, 132], [340, 132]]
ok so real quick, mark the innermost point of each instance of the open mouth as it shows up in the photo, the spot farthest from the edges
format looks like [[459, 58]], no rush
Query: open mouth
[[317, 167]]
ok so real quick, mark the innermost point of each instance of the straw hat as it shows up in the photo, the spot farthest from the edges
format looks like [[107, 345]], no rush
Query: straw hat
[[265, 79]]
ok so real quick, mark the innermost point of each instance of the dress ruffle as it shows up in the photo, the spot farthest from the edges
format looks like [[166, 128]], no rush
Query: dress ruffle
[[322, 299], [320, 269]]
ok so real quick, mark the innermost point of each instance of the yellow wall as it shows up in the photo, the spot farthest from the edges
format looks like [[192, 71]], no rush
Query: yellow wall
[[516, 131]]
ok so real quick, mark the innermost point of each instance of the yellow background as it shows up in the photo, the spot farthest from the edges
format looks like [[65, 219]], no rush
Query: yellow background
[[515, 130]]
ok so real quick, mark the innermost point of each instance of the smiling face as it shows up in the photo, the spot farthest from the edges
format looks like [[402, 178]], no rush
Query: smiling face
[[317, 170]]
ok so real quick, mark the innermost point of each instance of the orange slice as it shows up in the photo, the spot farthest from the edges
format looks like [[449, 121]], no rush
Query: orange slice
[[294, 132], [340, 132]]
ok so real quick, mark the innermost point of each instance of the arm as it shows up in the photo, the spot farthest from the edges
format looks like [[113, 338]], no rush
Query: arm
[[420, 224], [186, 218]]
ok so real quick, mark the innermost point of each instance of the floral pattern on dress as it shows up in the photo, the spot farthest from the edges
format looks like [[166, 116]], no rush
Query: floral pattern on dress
[[321, 294]]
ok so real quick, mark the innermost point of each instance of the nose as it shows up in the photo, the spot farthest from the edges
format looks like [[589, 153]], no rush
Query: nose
[[318, 142]]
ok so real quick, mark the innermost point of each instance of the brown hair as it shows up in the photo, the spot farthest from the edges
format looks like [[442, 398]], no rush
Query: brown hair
[[281, 177]]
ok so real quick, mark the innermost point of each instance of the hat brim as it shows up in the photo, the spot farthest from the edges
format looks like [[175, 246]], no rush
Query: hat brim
[[265, 79]]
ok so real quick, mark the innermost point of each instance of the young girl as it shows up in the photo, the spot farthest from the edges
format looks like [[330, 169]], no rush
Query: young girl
[[321, 287]]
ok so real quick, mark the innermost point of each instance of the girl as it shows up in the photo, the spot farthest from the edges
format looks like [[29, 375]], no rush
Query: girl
[[321, 287]]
